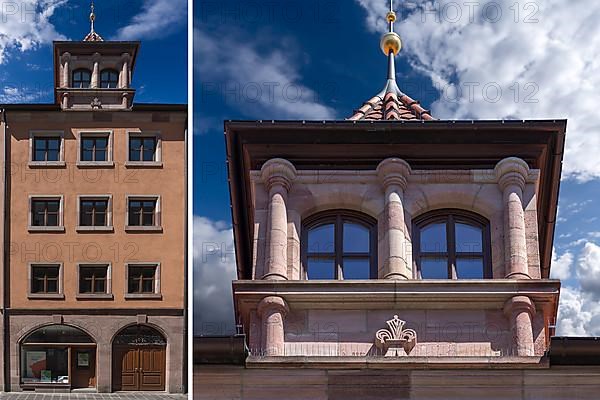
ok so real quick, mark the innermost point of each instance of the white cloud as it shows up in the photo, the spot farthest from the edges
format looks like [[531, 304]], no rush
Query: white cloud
[[572, 320], [25, 25], [588, 268], [261, 81], [157, 18], [556, 59], [561, 266], [214, 269], [13, 94]]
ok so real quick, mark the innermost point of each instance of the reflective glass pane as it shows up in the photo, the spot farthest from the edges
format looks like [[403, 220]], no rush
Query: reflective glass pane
[[54, 143], [53, 206], [321, 239], [319, 268], [469, 268], [356, 268], [356, 238], [469, 238], [85, 285], [147, 286], [433, 238], [434, 268], [52, 286], [99, 286]]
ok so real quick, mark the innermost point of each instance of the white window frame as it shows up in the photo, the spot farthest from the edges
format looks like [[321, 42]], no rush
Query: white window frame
[[96, 133], [47, 133], [107, 295], [157, 213], [157, 295], [109, 213], [46, 296], [157, 155], [61, 213]]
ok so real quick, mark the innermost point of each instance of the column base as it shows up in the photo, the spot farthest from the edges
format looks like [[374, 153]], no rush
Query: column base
[[273, 276], [518, 275]]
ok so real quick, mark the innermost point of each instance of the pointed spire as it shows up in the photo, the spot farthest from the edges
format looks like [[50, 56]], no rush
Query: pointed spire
[[391, 103], [92, 36]]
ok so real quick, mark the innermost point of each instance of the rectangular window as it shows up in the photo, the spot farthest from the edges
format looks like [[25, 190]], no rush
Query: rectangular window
[[141, 279], [94, 148], [46, 148], [93, 279], [143, 212], [45, 212], [93, 212], [45, 279], [143, 148]]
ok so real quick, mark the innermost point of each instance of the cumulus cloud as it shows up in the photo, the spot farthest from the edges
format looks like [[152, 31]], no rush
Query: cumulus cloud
[[561, 265], [25, 25], [588, 268], [214, 269], [260, 81], [157, 18], [543, 66]]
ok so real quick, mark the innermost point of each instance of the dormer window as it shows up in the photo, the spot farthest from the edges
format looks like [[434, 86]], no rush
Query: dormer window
[[340, 245], [81, 78], [109, 79], [452, 244]]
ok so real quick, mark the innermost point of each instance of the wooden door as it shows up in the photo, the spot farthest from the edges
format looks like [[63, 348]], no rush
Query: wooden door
[[83, 368], [152, 368], [125, 368]]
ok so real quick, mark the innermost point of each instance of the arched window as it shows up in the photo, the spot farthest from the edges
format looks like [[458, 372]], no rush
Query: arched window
[[82, 78], [340, 245], [109, 79], [452, 244]]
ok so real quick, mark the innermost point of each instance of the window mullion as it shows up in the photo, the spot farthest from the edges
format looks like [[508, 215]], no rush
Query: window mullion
[[451, 244], [339, 246]]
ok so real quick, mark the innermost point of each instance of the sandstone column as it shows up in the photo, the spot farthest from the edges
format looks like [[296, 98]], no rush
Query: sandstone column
[[512, 173], [278, 175], [272, 311], [66, 60], [96, 71], [520, 311], [124, 76], [393, 174]]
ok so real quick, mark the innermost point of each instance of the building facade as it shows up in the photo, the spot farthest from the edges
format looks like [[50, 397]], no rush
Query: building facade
[[393, 256], [95, 225]]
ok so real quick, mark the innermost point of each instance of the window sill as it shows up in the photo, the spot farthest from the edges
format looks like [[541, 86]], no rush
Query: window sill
[[143, 164], [47, 164], [92, 229], [90, 296], [42, 229], [143, 296], [95, 164], [45, 296], [149, 229]]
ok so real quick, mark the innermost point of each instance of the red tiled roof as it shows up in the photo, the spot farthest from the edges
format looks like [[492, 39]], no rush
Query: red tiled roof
[[391, 106]]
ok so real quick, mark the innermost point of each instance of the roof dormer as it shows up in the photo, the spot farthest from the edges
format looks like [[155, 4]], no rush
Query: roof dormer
[[94, 74]]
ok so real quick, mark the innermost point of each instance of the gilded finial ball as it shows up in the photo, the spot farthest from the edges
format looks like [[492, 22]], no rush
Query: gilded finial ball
[[391, 17], [391, 41]]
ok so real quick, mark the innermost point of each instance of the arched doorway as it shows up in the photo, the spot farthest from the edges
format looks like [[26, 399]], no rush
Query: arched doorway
[[139, 359], [58, 356]]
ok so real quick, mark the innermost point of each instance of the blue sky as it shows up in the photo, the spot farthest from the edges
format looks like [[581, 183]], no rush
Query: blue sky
[[522, 61], [30, 26]]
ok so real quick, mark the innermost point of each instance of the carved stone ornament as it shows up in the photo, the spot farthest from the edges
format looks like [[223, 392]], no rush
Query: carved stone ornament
[[96, 103], [398, 341]]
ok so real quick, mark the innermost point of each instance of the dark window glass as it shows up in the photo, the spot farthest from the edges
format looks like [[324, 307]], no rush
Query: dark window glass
[[452, 244], [141, 279], [44, 279], [46, 148], [45, 212], [92, 279], [340, 245], [81, 78], [93, 213], [94, 148], [109, 79], [142, 148], [142, 212]]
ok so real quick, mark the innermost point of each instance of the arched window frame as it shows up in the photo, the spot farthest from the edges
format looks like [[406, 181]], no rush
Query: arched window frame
[[104, 80], [338, 217], [80, 80], [452, 216]]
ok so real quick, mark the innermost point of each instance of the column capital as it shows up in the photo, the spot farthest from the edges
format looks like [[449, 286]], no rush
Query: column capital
[[512, 171], [96, 57], [272, 303], [278, 171], [125, 57], [393, 171], [518, 304], [66, 56]]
